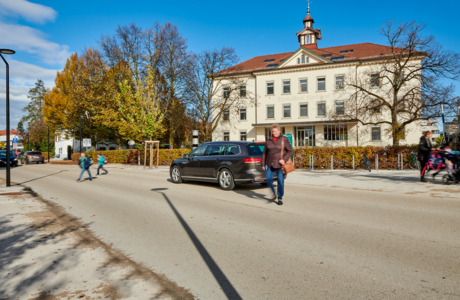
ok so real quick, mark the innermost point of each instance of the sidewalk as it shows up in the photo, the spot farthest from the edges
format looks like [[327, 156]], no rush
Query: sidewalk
[[46, 253], [389, 181]]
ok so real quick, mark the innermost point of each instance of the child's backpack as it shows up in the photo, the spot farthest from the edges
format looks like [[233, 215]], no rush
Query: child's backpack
[[105, 159]]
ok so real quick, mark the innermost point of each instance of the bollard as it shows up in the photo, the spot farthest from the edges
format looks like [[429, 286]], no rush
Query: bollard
[[353, 161], [139, 158], [376, 162], [399, 168], [332, 162], [312, 163], [402, 162]]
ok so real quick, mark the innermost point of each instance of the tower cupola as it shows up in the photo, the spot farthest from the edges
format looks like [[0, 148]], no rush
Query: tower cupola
[[308, 36]]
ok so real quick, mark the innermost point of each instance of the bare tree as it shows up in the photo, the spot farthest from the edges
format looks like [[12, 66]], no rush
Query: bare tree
[[214, 89], [174, 64], [404, 86]]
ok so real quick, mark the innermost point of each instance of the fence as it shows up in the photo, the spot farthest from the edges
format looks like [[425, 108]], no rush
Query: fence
[[384, 158]]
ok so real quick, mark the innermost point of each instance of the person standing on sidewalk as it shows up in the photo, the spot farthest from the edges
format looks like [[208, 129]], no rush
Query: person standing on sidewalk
[[101, 162], [272, 161], [424, 149], [84, 163]]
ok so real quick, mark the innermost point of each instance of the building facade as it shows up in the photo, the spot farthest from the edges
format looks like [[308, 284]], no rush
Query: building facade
[[431, 125], [304, 91]]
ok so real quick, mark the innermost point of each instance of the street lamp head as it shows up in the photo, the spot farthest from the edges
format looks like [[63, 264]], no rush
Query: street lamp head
[[7, 51]]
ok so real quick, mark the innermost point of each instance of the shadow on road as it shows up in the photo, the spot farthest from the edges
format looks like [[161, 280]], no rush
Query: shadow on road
[[395, 179], [218, 274], [38, 178]]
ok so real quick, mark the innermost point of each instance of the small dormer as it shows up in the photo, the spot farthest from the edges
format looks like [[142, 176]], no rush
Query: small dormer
[[308, 36]]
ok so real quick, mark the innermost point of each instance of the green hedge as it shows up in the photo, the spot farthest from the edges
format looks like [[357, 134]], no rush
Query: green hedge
[[130, 156], [343, 156]]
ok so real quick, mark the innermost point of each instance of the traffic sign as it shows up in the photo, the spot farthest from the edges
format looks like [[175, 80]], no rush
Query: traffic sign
[[15, 143], [86, 143]]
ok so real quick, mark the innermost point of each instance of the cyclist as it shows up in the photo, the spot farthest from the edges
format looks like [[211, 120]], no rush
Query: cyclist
[[424, 148]]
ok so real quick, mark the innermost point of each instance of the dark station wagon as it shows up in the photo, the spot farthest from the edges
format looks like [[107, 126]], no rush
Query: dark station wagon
[[227, 163]]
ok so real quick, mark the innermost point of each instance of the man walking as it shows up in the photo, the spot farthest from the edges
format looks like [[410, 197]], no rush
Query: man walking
[[101, 162], [84, 163]]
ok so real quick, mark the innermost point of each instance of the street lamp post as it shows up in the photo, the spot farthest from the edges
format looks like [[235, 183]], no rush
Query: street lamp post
[[80, 133], [8, 166], [48, 144]]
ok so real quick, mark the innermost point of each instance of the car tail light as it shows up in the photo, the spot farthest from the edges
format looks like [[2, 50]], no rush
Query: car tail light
[[252, 160], [41, 155], [29, 155]]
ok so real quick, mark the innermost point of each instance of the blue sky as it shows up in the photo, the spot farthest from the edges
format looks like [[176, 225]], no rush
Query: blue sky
[[45, 33]]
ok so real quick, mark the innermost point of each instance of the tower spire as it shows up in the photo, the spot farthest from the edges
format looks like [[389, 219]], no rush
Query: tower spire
[[308, 9]]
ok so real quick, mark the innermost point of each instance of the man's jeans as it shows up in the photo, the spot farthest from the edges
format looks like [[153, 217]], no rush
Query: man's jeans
[[269, 178], [83, 171]]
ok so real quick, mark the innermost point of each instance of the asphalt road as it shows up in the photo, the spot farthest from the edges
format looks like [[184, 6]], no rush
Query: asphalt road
[[325, 243]]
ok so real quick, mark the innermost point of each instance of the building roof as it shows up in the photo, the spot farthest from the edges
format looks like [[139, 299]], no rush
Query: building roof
[[308, 18], [363, 51], [12, 132]]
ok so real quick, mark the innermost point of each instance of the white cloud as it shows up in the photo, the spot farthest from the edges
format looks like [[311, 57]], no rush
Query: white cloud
[[31, 12], [24, 38], [22, 77]]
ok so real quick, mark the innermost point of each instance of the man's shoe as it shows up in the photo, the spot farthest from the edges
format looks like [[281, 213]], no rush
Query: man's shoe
[[279, 202]]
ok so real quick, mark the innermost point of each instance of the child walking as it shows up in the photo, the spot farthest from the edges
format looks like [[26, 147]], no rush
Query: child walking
[[101, 161]]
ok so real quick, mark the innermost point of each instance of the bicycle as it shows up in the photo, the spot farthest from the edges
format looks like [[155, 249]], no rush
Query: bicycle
[[414, 164], [365, 163]]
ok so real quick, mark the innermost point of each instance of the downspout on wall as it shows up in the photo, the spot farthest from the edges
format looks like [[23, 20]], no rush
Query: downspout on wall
[[357, 123], [255, 85]]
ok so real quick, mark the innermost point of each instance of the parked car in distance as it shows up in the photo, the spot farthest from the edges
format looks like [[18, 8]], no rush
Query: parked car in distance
[[13, 159], [227, 163], [32, 156]]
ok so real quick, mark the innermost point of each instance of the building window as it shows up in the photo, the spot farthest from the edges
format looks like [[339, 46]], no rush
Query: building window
[[339, 82], [269, 60], [321, 83], [270, 112], [375, 106], [376, 133], [242, 91], [270, 88], [226, 92], [304, 110], [335, 132], [286, 110], [307, 39], [226, 136], [303, 85], [321, 109], [286, 86], [375, 80], [243, 136], [298, 60], [243, 114], [226, 115], [339, 107]]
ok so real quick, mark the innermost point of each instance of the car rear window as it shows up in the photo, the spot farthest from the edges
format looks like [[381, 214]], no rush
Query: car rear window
[[34, 153], [256, 149]]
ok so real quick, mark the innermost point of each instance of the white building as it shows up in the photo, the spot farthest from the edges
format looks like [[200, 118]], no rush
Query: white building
[[63, 145], [300, 89], [431, 125]]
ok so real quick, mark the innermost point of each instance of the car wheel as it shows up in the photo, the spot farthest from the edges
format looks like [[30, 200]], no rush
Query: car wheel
[[27, 162], [263, 183], [176, 174], [226, 181]]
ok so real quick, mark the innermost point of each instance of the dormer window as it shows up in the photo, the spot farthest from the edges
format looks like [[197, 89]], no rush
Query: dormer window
[[346, 51], [338, 58], [269, 60], [326, 55], [272, 66]]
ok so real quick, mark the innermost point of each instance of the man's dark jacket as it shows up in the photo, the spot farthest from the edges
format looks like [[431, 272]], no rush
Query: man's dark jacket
[[272, 152], [424, 148]]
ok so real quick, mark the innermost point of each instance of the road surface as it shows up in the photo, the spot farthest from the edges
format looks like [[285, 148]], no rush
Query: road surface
[[326, 242]]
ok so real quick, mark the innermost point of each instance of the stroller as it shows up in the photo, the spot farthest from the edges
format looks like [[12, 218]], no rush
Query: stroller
[[453, 176]]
